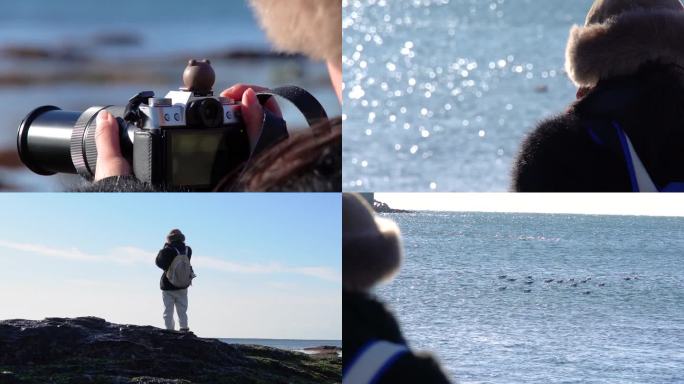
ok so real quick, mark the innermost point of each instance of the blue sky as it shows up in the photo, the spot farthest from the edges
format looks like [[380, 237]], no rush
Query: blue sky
[[268, 265]]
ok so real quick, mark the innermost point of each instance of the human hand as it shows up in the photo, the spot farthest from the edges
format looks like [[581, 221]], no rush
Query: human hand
[[110, 162], [252, 111]]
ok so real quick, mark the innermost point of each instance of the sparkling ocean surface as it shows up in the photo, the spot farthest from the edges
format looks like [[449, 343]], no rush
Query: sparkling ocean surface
[[440, 93], [623, 322]]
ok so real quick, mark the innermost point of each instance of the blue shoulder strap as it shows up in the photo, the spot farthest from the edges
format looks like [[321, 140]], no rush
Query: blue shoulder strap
[[371, 362], [615, 138]]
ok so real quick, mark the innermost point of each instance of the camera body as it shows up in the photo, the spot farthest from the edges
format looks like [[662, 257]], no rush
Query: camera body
[[187, 140]]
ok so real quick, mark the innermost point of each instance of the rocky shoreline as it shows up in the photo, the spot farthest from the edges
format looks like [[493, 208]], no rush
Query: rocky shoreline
[[92, 350], [59, 65], [381, 207]]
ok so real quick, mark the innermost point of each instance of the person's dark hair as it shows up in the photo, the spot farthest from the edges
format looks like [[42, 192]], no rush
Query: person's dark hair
[[309, 160], [175, 236]]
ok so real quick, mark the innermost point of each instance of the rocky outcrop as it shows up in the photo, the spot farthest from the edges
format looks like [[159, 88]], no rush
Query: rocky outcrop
[[92, 350], [381, 207]]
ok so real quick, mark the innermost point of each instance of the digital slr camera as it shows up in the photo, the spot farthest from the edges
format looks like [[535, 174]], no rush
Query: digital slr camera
[[187, 140]]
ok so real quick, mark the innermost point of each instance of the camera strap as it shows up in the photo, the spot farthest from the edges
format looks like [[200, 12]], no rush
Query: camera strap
[[305, 102], [274, 129]]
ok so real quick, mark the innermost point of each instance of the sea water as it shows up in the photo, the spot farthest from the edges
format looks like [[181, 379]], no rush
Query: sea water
[[440, 93], [616, 317]]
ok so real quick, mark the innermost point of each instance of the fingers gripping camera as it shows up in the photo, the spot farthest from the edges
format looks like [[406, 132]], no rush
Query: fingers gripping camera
[[189, 139]]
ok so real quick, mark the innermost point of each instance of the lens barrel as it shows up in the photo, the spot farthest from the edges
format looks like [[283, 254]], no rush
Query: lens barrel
[[50, 140]]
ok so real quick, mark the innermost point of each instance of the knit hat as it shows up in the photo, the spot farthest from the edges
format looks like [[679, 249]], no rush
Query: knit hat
[[619, 36], [371, 245], [311, 27], [175, 235]]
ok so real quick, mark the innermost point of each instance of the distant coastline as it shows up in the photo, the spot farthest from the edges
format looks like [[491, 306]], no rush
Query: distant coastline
[[310, 347]]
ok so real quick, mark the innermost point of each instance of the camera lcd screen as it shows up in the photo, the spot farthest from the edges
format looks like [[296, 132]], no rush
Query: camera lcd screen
[[200, 158]]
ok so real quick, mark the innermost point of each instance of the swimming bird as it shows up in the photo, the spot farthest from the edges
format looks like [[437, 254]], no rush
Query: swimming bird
[[587, 292], [574, 285], [560, 281], [511, 279], [628, 278], [529, 282], [502, 276], [602, 284], [502, 288], [548, 280]]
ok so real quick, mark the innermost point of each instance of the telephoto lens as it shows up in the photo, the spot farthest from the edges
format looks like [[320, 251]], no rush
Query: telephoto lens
[[51, 140]]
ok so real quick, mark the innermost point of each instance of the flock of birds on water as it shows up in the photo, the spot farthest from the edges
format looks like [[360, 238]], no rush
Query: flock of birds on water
[[529, 281]]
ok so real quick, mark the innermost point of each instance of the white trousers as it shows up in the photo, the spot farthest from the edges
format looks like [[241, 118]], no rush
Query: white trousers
[[179, 299]]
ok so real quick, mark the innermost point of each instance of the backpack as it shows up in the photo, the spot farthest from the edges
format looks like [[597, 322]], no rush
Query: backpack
[[180, 272]]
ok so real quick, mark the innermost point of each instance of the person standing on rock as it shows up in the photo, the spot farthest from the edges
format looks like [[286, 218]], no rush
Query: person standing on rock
[[174, 259]]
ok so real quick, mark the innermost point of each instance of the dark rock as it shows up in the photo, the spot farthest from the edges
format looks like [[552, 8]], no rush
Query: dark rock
[[89, 349], [42, 53], [7, 377], [381, 207], [323, 351], [324, 348], [541, 88], [253, 54], [118, 39]]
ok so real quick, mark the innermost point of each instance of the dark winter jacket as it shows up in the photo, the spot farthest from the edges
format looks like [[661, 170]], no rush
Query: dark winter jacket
[[365, 319], [165, 258], [580, 151]]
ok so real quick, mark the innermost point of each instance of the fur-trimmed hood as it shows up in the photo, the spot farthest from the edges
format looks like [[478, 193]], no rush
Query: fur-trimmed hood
[[311, 27], [620, 45], [371, 245]]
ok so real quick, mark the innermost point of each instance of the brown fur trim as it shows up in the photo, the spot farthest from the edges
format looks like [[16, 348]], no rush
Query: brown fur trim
[[624, 43], [371, 245], [367, 261], [311, 27]]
